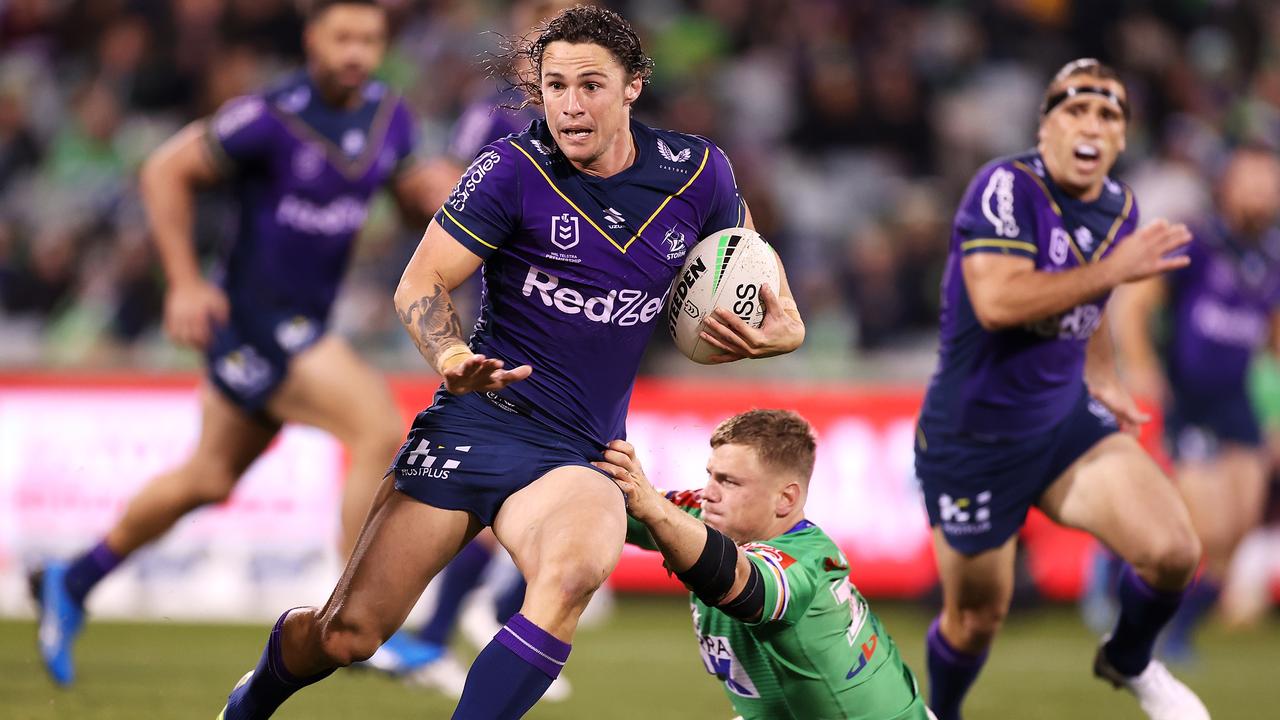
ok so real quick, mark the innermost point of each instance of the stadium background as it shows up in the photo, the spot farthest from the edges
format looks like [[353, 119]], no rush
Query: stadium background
[[853, 126]]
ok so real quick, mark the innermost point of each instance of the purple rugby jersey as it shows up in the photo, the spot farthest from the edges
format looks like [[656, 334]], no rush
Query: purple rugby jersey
[[1221, 307], [577, 268], [1021, 381], [303, 173]]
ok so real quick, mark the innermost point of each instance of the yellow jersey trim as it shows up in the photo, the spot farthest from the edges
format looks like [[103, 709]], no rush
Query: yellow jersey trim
[[478, 239], [1005, 244]]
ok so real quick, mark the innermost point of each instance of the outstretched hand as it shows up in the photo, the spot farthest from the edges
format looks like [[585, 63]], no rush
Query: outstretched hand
[[477, 373], [780, 332]]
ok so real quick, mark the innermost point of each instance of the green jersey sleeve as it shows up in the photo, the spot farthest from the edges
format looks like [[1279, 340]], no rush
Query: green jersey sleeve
[[788, 585], [689, 501]]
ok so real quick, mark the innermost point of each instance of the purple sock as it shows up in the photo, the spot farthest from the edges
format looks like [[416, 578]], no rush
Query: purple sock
[[951, 673], [1199, 600], [510, 600], [85, 571], [459, 578], [1143, 612], [512, 672], [270, 685]]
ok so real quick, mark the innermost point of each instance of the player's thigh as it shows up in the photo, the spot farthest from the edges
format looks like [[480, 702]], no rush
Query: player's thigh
[[570, 522], [328, 386], [404, 543], [1117, 493], [979, 583], [1207, 494], [230, 438]]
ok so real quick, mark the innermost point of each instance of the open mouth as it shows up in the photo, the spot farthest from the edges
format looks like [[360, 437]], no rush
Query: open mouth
[[575, 133], [1087, 155]]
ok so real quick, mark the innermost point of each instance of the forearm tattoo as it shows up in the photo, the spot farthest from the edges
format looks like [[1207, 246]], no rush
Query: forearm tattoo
[[433, 323]]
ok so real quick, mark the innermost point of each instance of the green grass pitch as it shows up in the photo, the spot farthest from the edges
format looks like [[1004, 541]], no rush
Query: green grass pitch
[[642, 663]]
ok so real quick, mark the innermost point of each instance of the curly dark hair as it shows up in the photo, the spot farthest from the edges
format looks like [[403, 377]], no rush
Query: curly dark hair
[[578, 24]]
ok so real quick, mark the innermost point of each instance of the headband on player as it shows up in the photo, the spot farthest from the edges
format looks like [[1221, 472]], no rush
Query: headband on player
[[1077, 90]]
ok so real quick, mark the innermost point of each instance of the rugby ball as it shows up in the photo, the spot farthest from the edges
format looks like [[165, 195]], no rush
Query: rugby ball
[[725, 269]]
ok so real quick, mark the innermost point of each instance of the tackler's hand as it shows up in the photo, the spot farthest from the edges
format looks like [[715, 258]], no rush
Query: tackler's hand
[[643, 502], [780, 332], [1121, 404]]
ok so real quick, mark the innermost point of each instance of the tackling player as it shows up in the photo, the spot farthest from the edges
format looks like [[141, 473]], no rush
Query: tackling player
[[304, 159], [581, 222], [1025, 407], [1221, 310], [777, 618]]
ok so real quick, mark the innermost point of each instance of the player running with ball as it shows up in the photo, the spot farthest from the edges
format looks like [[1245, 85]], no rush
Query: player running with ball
[[1025, 407], [574, 221]]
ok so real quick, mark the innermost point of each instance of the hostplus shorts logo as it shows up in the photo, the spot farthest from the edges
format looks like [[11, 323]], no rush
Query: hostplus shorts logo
[[296, 333], [625, 307], [419, 462], [471, 179], [965, 516]]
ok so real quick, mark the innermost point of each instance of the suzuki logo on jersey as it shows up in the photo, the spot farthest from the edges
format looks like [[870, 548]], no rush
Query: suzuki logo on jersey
[[564, 230], [419, 462], [718, 657], [624, 307], [614, 218], [342, 216], [676, 248], [1084, 239], [677, 157], [353, 142], [470, 180], [965, 516]]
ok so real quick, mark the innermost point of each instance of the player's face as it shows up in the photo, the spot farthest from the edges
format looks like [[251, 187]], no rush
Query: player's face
[[345, 45], [741, 498], [1081, 138], [587, 98], [1249, 192]]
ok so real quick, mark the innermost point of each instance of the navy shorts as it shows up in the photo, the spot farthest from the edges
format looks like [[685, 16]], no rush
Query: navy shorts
[[249, 357], [464, 453], [978, 490], [1196, 428]]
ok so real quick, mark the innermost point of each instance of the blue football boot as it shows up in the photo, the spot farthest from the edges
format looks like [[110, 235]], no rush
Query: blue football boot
[[60, 621]]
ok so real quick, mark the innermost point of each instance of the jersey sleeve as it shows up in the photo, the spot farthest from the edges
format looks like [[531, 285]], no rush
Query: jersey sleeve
[[998, 213], [689, 501], [482, 212], [242, 132], [727, 209], [788, 585]]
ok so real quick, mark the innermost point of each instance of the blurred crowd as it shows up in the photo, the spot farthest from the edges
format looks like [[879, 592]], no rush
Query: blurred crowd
[[854, 126]]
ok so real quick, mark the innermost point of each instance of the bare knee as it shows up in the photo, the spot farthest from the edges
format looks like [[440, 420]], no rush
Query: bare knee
[[972, 629], [345, 639], [571, 585], [1169, 561]]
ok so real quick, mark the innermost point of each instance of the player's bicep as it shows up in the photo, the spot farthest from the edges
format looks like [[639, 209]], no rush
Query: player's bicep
[[184, 159], [242, 133], [440, 259], [987, 276]]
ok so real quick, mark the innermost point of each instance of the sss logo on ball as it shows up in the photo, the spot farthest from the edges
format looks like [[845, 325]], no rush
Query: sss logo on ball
[[725, 269]]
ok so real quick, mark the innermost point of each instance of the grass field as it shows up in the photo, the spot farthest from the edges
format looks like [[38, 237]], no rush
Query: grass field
[[641, 664]]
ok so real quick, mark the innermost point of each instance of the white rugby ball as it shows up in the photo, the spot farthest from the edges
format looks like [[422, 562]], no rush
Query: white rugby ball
[[725, 269]]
